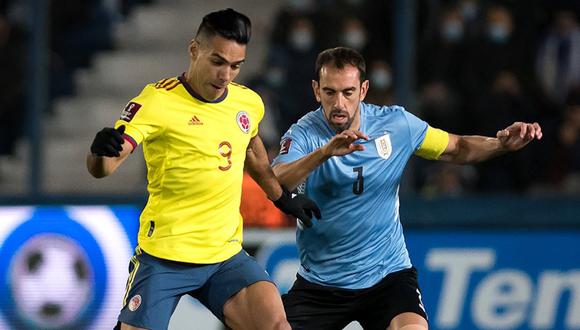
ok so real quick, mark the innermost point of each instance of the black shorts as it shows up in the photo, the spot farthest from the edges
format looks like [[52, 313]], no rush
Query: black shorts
[[312, 306]]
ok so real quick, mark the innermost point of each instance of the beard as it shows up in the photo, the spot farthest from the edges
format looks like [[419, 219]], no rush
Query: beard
[[339, 127]]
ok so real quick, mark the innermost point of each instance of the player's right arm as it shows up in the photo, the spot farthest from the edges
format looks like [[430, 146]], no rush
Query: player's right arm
[[291, 174], [108, 151]]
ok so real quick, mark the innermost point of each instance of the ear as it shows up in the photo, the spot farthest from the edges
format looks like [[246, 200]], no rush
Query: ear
[[193, 49], [364, 88], [316, 90]]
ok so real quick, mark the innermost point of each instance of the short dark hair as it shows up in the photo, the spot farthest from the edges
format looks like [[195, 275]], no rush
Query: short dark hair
[[340, 57], [227, 23]]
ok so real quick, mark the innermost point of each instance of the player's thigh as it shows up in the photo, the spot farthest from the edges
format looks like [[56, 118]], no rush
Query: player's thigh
[[257, 306], [154, 288], [397, 294], [312, 306], [233, 275]]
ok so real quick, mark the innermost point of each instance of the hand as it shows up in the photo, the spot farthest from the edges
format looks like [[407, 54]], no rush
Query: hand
[[518, 134], [299, 206], [108, 142], [342, 143]]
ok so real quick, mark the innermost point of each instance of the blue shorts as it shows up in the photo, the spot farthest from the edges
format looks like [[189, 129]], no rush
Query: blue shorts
[[155, 286]]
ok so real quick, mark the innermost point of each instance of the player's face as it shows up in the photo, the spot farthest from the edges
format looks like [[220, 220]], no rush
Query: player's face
[[340, 93], [215, 62]]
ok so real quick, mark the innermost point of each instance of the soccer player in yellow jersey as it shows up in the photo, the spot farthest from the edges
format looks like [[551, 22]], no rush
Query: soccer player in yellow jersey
[[199, 132]]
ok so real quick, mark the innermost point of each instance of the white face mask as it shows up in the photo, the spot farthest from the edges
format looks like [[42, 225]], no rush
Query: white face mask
[[356, 39], [299, 4], [498, 33], [381, 79], [301, 40], [275, 77], [452, 31]]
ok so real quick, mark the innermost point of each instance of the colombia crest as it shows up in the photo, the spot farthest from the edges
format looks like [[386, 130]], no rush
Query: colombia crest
[[243, 120]]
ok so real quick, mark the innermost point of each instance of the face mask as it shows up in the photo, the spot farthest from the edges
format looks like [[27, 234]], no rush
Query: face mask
[[469, 10], [301, 40], [299, 4], [452, 31], [275, 77], [381, 79], [355, 39], [498, 33]]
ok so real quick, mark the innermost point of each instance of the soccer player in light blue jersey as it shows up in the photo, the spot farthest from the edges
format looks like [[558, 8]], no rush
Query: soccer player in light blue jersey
[[349, 156]]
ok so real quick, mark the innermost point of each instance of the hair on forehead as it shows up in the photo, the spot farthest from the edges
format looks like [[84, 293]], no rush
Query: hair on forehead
[[340, 57], [226, 23]]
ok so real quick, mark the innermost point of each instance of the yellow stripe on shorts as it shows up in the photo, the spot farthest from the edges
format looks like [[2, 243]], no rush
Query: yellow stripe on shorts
[[131, 278], [434, 144]]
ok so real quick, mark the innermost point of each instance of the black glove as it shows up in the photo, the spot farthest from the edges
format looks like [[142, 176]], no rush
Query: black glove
[[108, 142], [299, 206]]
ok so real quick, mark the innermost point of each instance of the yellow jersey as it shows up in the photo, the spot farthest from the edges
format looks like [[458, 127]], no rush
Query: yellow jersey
[[195, 152]]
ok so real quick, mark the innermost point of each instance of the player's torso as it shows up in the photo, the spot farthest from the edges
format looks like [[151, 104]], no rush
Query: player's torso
[[203, 145], [359, 239], [372, 174]]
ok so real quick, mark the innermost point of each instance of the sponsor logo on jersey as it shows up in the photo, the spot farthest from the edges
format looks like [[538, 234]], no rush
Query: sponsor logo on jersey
[[130, 111], [384, 147], [195, 121], [135, 302], [243, 121], [285, 146]]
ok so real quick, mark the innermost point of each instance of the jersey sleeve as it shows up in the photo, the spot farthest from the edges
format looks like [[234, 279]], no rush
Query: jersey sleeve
[[260, 110], [434, 144], [417, 129], [292, 145], [138, 117]]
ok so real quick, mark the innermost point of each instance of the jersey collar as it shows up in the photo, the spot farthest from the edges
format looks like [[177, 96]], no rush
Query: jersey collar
[[197, 96]]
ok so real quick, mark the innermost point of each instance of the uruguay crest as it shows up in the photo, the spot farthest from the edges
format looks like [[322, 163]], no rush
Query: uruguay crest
[[384, 147]]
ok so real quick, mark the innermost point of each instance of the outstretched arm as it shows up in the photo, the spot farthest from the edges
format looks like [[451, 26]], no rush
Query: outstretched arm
[[292, 174], [463, 149]]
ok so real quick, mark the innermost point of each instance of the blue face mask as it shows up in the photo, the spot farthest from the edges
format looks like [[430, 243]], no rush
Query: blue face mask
[[452, 31], [498, 33], [381, 79]]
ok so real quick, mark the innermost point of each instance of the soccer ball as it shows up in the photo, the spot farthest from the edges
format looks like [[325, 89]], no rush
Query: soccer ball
[[51, 281]]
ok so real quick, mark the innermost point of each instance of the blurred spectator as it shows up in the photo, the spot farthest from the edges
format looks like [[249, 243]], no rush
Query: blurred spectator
[[291, 11], [558, 60], [563, 168], [295, 56], [445, 56], [505, 102], [500, 48], [354, 35], [471, 13], [440, 107], [381, 89]]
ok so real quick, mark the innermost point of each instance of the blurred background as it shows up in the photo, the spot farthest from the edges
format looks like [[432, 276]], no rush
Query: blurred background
[[494, 242]]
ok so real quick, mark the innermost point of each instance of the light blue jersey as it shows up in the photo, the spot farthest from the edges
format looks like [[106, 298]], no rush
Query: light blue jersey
[[359, 239]]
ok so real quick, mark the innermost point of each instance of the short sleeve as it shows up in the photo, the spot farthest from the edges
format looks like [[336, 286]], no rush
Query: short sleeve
[[259, 114], [139, 118], [417, 129], [292, 145]]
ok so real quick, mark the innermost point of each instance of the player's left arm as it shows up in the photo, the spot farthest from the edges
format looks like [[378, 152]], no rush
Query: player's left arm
[[258, 167], [463, 149]]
